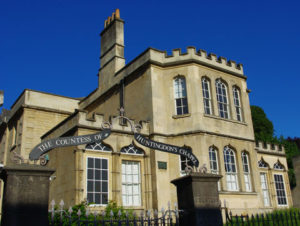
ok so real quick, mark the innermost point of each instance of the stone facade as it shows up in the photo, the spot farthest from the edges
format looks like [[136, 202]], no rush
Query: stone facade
[[215, 124], [296, 190]]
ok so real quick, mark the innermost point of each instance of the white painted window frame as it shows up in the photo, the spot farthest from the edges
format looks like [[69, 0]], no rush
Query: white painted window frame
[[132, 184], [86, 193]]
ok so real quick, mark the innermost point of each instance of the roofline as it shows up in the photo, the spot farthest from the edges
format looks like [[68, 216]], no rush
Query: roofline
[[37, 91]]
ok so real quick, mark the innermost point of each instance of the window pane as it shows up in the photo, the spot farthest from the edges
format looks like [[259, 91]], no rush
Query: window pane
[[104, 198], [90, 163], [97, 198], [97, 163], [97, 184], [90, 197], [179, 111], [131, 190], [97, 174], [90, 186], [90, 174], [104, 164], [104, 186], [104, 175]]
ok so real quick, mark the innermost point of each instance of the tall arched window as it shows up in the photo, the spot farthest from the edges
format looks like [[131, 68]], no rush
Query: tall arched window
[[237, 103], [206, 96], [222, 98], [230, 169], [246, 168], [213, 162], [181, 102]]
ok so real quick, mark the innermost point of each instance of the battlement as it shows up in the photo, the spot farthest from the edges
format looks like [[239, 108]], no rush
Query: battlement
[[82, 119], [200, 56], [268, 147]]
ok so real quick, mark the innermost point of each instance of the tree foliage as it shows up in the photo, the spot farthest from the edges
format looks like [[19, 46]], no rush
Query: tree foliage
[[263, 127]]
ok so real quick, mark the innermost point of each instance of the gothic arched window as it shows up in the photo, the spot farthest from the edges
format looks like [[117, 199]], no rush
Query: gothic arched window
[[97, 146], [132, 150], [237, 103], [230, 169], [213, 162], [262, 164], [278, 166], [222, 98], [246, 169], [206, 96], [180, 94]]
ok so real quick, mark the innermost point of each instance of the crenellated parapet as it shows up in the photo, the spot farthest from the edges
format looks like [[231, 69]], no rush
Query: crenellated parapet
[[200, 56], [264, 147], [81, 119]]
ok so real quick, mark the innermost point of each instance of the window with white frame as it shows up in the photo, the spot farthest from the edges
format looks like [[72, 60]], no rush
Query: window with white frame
[[206, 96], [131, 183], [230, 169], [213, 162], [237, 103], [180, 94], [265, 189], [97, 180], [280, 190], [222, 99], [246, 169]]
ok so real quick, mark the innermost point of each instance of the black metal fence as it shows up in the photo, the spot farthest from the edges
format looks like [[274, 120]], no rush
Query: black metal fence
[[279, 218], [143, 218]]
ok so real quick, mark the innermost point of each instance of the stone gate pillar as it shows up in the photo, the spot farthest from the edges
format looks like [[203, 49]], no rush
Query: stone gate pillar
[[26, 194], [198, 197]]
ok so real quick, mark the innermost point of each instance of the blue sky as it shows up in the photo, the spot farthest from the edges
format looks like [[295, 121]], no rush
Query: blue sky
[[53, 46]]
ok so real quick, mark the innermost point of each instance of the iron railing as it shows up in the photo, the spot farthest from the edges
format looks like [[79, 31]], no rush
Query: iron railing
[[143, 218], [279, 218]]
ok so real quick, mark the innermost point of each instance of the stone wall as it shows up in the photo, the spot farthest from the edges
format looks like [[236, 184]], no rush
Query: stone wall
[[296, 190]]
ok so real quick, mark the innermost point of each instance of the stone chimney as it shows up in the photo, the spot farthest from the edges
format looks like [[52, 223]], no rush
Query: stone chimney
[[112, 49]]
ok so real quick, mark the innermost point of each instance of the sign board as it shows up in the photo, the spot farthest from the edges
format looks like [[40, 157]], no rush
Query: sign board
[[162, 165], [48, 145], [167, 148]]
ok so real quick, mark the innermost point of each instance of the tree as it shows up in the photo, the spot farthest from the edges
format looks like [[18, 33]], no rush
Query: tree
[[263, 127]]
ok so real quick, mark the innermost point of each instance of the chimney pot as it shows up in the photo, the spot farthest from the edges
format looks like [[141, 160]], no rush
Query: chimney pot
[[117, 13]]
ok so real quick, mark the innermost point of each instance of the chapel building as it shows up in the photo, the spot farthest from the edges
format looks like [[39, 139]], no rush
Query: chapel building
[[191, 99]]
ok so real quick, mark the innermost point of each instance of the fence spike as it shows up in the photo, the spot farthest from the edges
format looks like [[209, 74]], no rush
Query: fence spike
[[70, 210], [126, 214], [162, 210], [237, 220], [111, 213], [148, 213], [169, 204], [134, 214], [103, 213], [52, 203], [119, 213], [175, 205], [87, 212], [61, 203], [79, 213], [95, 214], [295, 217], [155, 213], [142, 214]]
